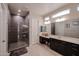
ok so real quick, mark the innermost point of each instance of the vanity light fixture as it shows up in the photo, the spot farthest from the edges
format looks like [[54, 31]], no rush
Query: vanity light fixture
[[47, 22], [46, 18], [19, 10], [18, 13], [25, 26], [60, 19], [61, 13]]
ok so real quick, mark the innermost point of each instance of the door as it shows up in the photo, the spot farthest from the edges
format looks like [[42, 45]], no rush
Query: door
[[12, 31]]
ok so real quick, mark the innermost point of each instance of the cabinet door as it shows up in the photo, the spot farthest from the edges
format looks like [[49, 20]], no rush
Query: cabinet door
[[75, 49], [60, 47], [52, 43], [42, 40]]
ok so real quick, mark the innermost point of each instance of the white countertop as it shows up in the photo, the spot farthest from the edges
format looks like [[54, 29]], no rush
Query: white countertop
[[63, 38]]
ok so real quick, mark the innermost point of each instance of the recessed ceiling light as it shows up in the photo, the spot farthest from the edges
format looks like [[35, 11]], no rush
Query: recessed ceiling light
[[19, 10]]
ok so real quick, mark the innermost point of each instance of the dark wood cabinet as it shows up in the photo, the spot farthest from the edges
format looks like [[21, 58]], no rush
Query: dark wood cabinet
[[62, 47], [44, 40]]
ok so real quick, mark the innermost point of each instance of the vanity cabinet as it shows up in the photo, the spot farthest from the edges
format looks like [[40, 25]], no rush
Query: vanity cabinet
[[64, 48], [75, 49], [44, 40], [58, 46]]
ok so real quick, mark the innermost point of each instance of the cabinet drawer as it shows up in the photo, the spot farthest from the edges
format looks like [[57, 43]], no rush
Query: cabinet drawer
[[75, 53], [75, 46], [75, 49]]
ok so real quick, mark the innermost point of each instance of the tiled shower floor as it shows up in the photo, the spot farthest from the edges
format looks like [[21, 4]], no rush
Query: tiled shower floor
[[17, 45]]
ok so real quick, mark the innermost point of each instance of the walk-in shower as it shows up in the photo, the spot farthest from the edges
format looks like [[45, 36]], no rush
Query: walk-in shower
[[18, 30]]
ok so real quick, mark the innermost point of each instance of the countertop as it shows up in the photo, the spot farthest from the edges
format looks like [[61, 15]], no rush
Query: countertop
[[63, 38]]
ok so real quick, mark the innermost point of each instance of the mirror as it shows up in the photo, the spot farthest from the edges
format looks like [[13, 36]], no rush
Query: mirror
[[42, 28], [69, 28]]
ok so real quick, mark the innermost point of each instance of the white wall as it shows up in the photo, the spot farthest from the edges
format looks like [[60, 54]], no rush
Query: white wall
[[41, 23], [34, 29], [3, 29], [0, 25]]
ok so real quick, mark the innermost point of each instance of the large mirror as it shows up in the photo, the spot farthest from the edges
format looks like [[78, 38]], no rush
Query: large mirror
[[69, 28]]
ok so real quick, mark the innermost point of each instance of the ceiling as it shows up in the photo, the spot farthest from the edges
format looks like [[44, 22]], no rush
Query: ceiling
[[39, 9]]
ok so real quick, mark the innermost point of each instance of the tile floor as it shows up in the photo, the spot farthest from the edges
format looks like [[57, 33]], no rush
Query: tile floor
[[40, 50]]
